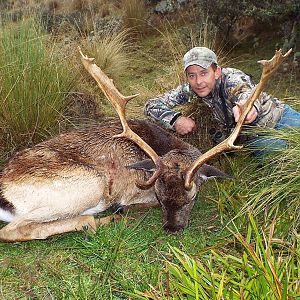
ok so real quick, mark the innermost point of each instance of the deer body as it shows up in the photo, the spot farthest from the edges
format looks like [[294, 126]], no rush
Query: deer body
[[86, 171], [74, 173]]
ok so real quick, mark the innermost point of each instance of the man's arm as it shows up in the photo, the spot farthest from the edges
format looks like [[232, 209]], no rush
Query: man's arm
[[238, 78], [160, 112], [160, 109], [241, 98]]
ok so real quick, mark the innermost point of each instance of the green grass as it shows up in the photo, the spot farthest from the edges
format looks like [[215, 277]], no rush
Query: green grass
[[125, 256], [265, 269], [34, 84]]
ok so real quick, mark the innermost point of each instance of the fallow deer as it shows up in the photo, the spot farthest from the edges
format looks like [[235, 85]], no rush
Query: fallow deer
[[59, 185]]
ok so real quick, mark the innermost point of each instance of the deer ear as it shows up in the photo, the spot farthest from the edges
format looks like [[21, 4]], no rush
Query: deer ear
[[207, 172], [145, 165]]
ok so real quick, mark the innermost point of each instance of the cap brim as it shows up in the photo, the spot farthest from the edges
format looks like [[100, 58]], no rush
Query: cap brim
[[202, 65]]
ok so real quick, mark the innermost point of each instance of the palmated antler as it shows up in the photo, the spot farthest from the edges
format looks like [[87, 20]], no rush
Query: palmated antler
[[269, 67], [119, 102]]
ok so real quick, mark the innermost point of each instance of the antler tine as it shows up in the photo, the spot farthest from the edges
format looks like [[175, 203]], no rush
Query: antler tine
[[119, 103], [269, 67]]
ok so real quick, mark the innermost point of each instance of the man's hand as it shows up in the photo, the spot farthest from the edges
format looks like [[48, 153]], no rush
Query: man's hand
[[251, 116], [184, 125]]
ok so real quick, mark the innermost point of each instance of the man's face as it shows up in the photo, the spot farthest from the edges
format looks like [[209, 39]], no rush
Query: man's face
[[202, 81]]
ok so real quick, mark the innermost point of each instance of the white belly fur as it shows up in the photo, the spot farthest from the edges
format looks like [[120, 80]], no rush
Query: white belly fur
[[6, 216], [51, 199]]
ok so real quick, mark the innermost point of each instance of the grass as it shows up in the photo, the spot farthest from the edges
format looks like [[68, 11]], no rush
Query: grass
[[34, 85], [258, 273], [112, 55], [268, 186], [110, 52], [125, 256], [135, 15], [277, 190]]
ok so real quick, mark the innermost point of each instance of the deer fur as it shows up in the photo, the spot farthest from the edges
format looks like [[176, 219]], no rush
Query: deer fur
[[58, 185]]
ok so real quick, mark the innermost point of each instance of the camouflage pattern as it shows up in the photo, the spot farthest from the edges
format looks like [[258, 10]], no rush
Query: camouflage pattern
[[269, 109], [200, 56]]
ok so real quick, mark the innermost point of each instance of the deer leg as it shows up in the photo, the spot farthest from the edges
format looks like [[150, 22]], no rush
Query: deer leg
[[26, 230], [107, 219]]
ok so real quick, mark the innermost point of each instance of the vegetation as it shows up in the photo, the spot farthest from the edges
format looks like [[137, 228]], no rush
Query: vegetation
[[135, 15], [276, 193], [243, 240], [111, 52], [34, 85], [258, 273]]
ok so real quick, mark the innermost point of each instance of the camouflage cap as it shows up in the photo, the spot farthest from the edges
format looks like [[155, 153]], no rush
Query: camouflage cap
[[200, 56]]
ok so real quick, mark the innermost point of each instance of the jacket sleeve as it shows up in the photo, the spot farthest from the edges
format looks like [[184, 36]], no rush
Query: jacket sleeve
[[160, 108], [239, 79]]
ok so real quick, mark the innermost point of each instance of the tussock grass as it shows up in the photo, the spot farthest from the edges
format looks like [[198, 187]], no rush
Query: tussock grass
[[34, 85], [268, 186], [111, 52], [135, 15], [112, 55], [277, 191]]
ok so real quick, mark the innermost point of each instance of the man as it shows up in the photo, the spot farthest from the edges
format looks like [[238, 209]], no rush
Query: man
[[210, 83]]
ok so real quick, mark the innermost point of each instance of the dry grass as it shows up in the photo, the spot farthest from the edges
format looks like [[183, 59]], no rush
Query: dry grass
[[110, 52], [135, 15], [69, 6], [112, 55], [21, 4]]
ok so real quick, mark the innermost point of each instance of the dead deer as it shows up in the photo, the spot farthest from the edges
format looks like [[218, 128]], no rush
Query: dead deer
[[59, 185]]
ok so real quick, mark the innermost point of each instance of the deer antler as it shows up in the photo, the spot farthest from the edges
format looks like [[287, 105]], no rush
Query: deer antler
[[119, 102], [269, 67]]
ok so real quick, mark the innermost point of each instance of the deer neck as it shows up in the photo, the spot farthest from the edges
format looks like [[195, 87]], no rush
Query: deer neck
[[158, 138]]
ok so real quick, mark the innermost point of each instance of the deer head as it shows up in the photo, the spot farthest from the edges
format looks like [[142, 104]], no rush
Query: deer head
[[176, 175], [177, 201]]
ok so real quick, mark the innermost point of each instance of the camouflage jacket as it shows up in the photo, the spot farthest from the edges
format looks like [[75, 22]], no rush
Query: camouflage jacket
[[269, 109]]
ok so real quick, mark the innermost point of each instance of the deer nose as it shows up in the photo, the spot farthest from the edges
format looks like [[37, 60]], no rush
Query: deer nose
[[173, 229]]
